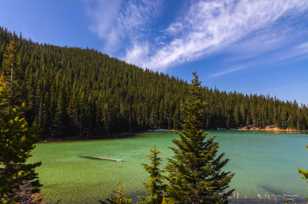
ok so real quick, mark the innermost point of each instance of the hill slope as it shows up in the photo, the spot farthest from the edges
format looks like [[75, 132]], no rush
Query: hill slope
[[72, 91]]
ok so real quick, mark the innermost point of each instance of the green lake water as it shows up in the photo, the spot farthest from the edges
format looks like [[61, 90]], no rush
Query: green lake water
[[263, 163]]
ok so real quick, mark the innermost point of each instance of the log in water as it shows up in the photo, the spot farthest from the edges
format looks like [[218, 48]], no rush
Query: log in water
[[101, 158]]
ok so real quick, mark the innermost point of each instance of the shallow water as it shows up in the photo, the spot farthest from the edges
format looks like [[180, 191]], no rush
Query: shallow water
[[264, 163]]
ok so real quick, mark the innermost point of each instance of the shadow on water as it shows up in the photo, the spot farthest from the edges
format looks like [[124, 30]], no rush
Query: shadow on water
[[272, 190], [273, 195]]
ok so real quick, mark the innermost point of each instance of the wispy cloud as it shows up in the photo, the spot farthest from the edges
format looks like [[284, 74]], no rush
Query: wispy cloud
[[137, 54], [299, 51], [227, 71], [208, 26], [103, 14], [118, 22]]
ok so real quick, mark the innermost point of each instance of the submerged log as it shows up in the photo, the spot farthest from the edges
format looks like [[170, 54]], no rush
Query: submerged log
[[101, 158]]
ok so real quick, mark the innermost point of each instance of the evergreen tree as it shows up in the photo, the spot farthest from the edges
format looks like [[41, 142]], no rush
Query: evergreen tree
[[155, 185], [9, 61], [304, 172], [18, 178], [196, 174], [117, 197], [12, 72], [167, 200], [60, 118]]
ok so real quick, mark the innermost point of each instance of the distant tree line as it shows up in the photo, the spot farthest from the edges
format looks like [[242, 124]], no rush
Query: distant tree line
[[82, 92]]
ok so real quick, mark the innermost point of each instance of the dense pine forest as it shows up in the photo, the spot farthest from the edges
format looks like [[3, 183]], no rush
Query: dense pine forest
[[82, 92]]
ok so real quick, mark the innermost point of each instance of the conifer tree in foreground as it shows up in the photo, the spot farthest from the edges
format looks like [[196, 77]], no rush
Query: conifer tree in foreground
[[196, 174], [154, 185], [18, 179], [304, 172], [117, 197]]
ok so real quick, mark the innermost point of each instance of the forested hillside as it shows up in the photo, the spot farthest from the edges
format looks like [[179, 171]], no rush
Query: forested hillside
[[78, 92]]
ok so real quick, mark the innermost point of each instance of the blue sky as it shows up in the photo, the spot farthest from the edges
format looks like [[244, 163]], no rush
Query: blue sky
[[250, 46]]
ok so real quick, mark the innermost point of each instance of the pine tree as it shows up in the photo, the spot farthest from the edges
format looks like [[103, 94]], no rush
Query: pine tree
[[304, 172], [167, 200], [12, 72], [196, 174], [117, 197], [9, 61], [60, 118], [155, 185], [18, 178]]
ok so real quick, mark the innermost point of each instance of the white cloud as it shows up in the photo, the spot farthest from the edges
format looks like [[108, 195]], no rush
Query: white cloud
[[103, 13], [117, 21], [303, 47], [227, 71], [212, 25], [206, 27], [244, 62], [138, 54], [295, 52]]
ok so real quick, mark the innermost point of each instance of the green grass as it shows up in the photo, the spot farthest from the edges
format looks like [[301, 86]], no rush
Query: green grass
[[261, 161]]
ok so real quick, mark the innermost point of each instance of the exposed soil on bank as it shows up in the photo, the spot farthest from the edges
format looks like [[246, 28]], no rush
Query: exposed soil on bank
[[270, 129]]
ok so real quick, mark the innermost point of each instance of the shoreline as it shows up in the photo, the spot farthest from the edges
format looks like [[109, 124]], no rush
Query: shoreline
[[136, 133], [272, 129]]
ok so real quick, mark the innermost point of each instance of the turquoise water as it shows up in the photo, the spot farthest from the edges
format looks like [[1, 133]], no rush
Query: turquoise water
[[263, 163]]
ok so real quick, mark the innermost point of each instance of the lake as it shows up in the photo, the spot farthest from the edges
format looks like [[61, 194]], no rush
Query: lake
[[264, 163]]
